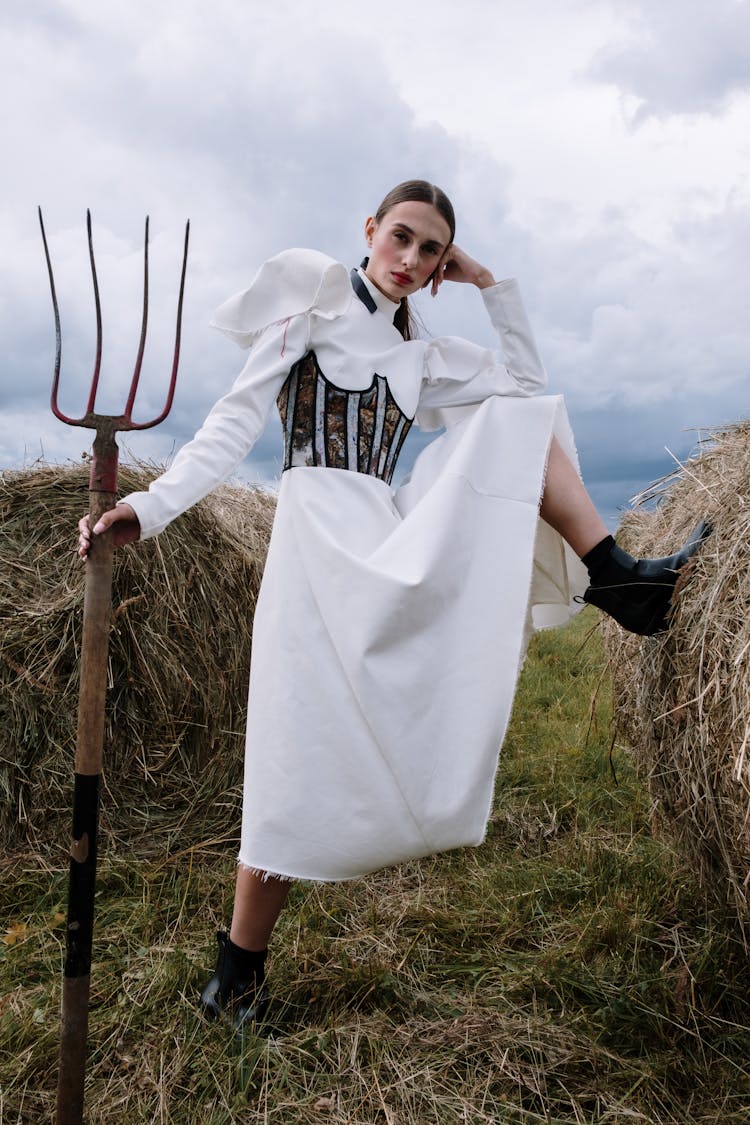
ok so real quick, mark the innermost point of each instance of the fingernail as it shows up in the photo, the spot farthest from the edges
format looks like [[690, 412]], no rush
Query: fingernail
[[98, 527]]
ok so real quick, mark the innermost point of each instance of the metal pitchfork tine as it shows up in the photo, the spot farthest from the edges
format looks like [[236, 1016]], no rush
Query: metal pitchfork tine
[[94, 649]]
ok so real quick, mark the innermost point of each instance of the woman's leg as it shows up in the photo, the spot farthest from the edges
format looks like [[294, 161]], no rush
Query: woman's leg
[[237, 990], [257, 905], [566, 505], [637, 593]]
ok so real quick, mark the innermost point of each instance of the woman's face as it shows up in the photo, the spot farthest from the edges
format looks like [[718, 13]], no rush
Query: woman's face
[[405, 248]]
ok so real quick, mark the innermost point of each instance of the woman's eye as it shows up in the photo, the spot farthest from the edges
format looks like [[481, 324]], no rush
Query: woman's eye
[[400, 236]]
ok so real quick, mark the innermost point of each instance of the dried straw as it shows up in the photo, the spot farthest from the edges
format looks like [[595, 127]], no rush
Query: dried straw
[[179, 659], [682, 700]]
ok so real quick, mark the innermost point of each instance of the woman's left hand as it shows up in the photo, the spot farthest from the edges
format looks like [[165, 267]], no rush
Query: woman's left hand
[[457, 265]]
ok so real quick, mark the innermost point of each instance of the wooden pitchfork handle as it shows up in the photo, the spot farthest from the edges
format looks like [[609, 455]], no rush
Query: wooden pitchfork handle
[[97, 608]]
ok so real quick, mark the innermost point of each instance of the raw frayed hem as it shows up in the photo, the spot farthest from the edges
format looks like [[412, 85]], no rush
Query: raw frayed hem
[[266, 875]]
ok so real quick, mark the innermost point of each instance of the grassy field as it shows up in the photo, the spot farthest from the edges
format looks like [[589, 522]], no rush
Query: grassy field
[[568, 970]]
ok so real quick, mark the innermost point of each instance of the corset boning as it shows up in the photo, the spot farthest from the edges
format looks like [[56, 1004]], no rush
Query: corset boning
[[326, 425]]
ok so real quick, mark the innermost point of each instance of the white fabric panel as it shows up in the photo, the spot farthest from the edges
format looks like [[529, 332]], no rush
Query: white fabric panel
[[390, 627]]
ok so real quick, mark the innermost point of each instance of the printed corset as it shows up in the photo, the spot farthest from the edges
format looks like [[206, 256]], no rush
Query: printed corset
[[339, 429]]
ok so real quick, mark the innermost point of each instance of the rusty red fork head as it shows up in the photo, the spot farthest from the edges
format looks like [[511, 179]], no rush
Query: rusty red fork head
[[104, 463]]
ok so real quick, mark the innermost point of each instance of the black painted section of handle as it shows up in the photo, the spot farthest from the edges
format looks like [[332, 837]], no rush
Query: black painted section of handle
[[82, 876]]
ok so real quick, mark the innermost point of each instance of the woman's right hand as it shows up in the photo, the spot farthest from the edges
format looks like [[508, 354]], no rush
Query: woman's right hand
[[457, 265], [122, 519]]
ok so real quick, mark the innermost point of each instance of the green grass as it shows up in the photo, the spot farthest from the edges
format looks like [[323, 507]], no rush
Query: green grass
[[568, 970]]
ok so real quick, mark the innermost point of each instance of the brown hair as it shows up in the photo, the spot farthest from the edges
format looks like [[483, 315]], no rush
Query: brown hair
[[418, 191]]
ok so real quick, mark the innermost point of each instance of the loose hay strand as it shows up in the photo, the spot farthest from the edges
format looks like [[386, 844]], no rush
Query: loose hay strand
[[179, 659], [682, 701]]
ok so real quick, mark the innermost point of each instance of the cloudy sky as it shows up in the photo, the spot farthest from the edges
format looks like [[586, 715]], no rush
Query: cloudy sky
[[599, 150]]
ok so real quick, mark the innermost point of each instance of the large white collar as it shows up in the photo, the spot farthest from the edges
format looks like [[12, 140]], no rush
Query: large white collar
[[383, 303]]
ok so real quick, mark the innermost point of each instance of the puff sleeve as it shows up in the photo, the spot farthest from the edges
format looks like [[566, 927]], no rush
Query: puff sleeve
[[294, 282], [458, 374], [271, 318]]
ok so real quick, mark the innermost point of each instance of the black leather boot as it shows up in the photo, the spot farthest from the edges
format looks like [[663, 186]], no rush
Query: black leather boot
[[236, 992], [637, 593]]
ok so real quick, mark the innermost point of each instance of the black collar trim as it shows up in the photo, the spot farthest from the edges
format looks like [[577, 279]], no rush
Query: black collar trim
[[361, 289]]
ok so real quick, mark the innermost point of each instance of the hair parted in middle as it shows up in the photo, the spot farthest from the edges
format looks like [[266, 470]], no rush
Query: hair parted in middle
[[415, 191]]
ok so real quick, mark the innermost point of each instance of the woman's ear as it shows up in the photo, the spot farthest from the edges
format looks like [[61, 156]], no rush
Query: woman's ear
[[370, 227]]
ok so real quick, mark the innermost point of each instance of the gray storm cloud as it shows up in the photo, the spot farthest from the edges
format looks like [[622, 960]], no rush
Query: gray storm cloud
[[682, 56], [268, 131]]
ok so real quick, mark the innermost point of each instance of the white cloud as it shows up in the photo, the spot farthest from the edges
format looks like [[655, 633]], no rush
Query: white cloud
[[680, 56], [180, 116], [632, 323], [268, 130]]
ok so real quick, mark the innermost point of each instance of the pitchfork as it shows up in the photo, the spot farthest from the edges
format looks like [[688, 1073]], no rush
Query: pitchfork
[[95, 642]]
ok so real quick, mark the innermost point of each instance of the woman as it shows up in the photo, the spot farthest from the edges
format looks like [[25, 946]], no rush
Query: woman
[[390, 627]]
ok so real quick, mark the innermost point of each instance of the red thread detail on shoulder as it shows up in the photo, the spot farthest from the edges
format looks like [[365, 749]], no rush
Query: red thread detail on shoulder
[[283, 339]]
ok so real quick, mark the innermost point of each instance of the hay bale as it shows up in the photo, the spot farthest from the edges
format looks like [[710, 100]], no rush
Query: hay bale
[[178, 665], [682, 700]]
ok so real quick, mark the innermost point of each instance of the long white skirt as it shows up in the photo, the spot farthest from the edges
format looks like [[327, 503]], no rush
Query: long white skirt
[[388, 637]]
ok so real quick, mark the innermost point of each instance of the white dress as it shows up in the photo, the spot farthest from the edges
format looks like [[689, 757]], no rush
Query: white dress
[[390, 626]]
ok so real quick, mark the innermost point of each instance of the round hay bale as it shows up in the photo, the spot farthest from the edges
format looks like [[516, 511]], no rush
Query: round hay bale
[[178, 662], [682, 700]]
